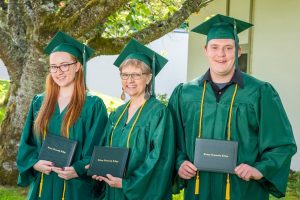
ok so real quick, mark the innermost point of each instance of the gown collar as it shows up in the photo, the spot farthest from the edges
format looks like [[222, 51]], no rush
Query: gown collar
[[237, 78]]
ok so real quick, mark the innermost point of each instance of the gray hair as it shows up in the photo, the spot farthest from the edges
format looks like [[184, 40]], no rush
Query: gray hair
[[136, 63]]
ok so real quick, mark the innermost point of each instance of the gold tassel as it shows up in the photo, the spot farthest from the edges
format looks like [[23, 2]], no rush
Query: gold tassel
[[42, 176], [197, 184], [227, 188], [64, 191], [41, 185]]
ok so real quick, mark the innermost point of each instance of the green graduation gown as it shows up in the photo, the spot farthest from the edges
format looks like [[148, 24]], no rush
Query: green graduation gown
[[87, 131], [152, 153], [259, 124]]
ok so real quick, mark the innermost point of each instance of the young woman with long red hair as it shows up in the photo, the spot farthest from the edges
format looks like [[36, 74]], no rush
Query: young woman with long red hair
[[68, 110]]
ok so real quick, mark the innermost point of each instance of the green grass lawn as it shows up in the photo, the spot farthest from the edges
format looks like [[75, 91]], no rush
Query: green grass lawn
[[12, 193], [293, 191]]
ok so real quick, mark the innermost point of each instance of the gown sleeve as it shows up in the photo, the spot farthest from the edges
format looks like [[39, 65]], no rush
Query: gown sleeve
[[276, 141], [95, 125], [153, 177], [180, 155], [175, 108], [28, 150]]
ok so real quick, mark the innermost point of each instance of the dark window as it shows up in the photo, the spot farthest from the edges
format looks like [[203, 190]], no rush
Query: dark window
[[243, 62]]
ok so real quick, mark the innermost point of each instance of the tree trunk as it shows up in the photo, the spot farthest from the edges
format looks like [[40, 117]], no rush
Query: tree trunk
[[16, 112]]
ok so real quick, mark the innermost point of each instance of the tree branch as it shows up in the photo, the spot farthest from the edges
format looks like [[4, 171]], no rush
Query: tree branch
[[16, 24], [41, 9], [205, 3], [30, 13], [110, 46], [3, 18], [94, 13], [73, 6]]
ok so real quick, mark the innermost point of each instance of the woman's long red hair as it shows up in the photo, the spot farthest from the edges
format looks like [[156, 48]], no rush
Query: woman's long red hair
[[50, 100]]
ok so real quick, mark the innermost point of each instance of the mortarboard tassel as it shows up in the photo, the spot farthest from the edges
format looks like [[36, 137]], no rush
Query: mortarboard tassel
[[42, 175], [153, 76], [227, 195], [236, 45], [64, 191], [41, 185], [197, 184], [84, 66], [68, 135]]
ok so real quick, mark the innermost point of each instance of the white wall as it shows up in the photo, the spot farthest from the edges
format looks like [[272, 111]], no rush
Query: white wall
[[276, 45]]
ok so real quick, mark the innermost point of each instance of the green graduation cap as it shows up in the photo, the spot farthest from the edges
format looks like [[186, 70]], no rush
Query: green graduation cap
[[62, 42], [135, 50], [223, 27]]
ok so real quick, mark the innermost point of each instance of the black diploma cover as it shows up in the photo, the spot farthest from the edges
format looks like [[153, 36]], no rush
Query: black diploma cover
[[215, 155], [58, 149], [108, 160]]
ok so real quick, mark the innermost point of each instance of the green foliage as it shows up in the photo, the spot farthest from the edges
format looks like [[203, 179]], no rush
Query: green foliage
[[2, 113], [12, 193], [163, 98], [138, 14], [111, 107], [178, 196], [111, 103], [4, 88]]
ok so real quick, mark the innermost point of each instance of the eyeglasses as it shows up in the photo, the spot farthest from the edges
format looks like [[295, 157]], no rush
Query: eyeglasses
[[62, 67], [134, 76]]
